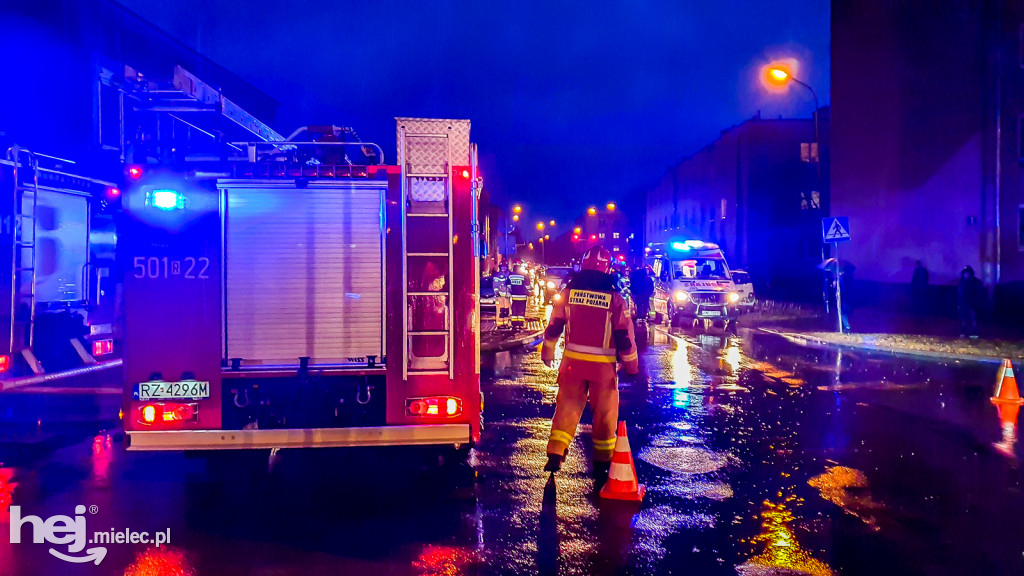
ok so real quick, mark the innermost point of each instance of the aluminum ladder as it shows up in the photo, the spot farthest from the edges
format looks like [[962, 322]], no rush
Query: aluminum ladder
[[23, 256], [426, 161]]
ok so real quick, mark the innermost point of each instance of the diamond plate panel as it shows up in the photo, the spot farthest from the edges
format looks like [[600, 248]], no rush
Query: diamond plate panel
[[426, 189], [457, 131], [426, 155]]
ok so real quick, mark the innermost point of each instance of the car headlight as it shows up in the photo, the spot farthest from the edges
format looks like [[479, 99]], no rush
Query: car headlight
[[551, 284], [734, 297], [681, 296]]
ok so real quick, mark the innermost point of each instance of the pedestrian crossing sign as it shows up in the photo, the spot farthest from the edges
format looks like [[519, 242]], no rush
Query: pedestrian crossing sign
[[835, 229]]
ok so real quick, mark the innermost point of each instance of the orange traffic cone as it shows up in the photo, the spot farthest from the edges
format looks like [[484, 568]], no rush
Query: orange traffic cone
[[622, 483], [1006, 386]]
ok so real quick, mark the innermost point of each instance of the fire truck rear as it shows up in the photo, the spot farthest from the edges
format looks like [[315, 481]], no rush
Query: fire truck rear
[[295, 299]]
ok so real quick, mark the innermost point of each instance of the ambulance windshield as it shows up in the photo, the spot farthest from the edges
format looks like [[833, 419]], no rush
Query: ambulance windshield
[[700, 269]]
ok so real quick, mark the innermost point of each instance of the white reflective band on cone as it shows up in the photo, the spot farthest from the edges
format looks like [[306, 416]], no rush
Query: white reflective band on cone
[[622, 445], [621, 472]]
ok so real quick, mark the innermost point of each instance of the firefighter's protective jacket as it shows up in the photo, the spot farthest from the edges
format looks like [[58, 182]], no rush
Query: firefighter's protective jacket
[[597, 325]]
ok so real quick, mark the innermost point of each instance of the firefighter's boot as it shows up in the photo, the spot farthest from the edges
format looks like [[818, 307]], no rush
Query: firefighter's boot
[[554, 463]]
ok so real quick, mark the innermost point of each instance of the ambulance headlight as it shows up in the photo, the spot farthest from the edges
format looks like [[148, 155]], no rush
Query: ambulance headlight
[[734, 297], [681, 296]]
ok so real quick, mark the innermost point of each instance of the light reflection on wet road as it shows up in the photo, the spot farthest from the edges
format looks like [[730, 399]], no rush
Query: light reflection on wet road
[[759, 458]]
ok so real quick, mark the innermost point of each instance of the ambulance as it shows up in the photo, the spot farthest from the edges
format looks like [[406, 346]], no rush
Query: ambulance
[[693, 282]]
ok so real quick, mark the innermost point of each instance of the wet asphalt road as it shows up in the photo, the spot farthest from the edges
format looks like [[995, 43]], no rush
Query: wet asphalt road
[[759, 457]]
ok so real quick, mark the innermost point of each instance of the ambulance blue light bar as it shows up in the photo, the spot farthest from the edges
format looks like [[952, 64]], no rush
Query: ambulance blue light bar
[[166, 199], [680, 246]]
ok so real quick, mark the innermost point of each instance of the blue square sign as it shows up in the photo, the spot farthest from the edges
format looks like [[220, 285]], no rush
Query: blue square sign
[[835, 229]]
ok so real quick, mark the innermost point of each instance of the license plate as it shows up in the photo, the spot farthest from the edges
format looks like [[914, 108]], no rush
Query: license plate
[[186, 389], [710, 313]]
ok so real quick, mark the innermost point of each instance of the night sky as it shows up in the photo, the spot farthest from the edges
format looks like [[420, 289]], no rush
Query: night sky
[[572, 103]]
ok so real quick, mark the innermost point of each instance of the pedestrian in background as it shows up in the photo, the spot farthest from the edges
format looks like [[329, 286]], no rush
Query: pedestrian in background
[[919, 290], [970, 296], [599, 337]]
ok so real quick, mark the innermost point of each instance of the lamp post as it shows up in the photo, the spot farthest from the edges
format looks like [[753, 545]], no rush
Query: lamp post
[[780, 75], [516, 211]]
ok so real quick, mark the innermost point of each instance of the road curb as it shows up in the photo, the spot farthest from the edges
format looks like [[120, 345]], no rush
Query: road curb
[[812, 342], [511, 343]]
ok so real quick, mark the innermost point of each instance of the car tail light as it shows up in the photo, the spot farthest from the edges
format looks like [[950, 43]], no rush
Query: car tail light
[[101, 347], [168, 412], [443, 406], [5, 363], [135, 172]]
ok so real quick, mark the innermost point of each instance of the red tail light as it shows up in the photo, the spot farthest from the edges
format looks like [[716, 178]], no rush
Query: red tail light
[[443, 406], [465, 174], [5, 363], [168, 412], [135, 172], [101, 347]]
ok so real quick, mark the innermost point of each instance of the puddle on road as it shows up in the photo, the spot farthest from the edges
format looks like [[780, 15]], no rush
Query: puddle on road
[[782, 553], [848, 489], [159, 561], [684, 459]]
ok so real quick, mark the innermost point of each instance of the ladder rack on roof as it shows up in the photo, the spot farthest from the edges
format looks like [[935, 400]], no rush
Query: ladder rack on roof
[[187, 93]]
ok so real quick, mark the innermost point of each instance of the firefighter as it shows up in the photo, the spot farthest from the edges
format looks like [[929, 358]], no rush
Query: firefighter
[[520, 288], [599, 335], [502, 298]]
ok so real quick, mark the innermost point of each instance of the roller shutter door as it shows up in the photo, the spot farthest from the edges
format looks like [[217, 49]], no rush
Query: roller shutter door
[[303, 273]]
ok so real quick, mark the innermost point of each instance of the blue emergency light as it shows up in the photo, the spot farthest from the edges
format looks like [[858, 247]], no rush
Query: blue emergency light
[[680, 246], [166, 199]]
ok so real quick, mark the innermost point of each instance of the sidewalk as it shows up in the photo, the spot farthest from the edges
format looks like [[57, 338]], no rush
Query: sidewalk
[[494, 340], [883, 331]]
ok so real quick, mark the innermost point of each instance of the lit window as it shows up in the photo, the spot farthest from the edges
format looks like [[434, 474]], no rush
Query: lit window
[[1020, 226], [601, 235], [615, 248], [615, 234]]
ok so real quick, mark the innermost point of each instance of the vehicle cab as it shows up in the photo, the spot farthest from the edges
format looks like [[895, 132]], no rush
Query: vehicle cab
[[693, 281], [554, 279]]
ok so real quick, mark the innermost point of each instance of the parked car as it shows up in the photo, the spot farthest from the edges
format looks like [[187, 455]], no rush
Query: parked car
[[744, 287], [487, 299]]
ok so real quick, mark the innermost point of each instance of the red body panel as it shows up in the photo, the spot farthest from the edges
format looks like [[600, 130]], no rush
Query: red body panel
[[464, 309], [172, 295]]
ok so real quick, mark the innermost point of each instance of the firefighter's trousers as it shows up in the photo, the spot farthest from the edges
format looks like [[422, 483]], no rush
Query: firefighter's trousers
[[519, 311], [504, 317], [573, 391]]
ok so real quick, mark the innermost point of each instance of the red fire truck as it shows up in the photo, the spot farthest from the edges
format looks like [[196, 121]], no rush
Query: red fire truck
[[57, 290], [292, 298]]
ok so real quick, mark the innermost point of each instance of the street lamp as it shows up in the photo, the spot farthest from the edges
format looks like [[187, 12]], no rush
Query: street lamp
[[540, 225], [577, 230], [517, 209], [611, 206], [780, 75], [552, 223], [591, 210], [515, 217]]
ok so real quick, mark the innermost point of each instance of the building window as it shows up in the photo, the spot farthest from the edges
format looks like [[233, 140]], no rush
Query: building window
[[615, 248], [1020, 46], [724, 203], [601, 235], [615, 234], [1020, 137], [1020, 227]]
